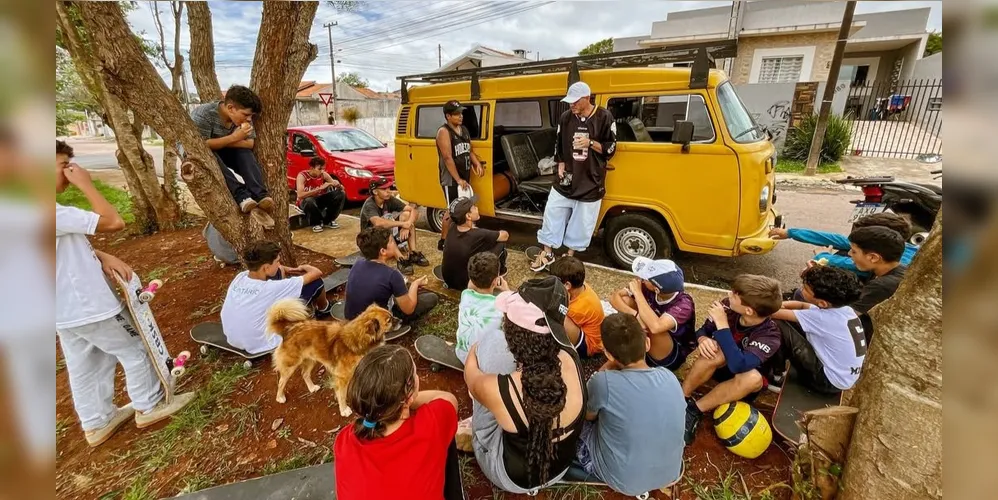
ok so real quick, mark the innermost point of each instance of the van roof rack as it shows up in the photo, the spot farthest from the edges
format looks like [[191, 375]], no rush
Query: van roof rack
[[702, 55]]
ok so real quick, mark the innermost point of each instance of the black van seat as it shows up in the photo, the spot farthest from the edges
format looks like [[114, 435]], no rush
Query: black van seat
[[543, 142], [523, 164]]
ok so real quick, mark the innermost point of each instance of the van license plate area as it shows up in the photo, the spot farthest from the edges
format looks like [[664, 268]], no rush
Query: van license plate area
[[863, 209]]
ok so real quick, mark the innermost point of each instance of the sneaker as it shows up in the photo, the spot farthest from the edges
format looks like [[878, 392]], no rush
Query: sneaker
[[247, 205], [405, 267], [440, 245], [693, 418], [163, 410], [317, 229], [332, 225], [542, 262], [263, 218], [776, 385], [267, 205], [419, 259], [464, 436], [121, 415]]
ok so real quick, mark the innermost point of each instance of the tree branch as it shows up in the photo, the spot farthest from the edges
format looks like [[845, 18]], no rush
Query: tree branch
[[202, 54]]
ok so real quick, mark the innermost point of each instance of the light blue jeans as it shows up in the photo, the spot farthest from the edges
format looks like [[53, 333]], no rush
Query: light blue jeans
[[91, 353], [568, 222]]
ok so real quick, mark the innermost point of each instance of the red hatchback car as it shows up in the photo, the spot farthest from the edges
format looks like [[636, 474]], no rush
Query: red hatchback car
[[352, 156]]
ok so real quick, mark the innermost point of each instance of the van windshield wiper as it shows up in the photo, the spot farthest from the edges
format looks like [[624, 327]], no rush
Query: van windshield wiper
[[753, 127]]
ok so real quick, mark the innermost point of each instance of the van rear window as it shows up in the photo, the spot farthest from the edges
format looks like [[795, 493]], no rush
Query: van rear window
[[430, 118], [519, 114]]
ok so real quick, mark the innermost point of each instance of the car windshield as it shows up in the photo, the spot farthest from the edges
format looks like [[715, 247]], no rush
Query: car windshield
[[740, 124], [347, 140]]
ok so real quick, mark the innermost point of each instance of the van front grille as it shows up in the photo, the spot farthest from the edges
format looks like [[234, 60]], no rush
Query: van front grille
[[403, 120]]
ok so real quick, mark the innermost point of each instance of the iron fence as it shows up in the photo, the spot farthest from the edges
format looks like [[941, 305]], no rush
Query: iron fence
[[895, 118]]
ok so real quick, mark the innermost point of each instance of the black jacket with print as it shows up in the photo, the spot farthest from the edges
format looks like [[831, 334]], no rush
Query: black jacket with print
[[585, 169]]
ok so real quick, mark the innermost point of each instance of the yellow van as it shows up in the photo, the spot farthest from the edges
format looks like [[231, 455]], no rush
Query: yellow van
[[692, 170]]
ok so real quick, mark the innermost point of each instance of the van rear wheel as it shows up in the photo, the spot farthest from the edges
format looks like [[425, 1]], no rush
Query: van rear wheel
[[435, 219], [636, 235]]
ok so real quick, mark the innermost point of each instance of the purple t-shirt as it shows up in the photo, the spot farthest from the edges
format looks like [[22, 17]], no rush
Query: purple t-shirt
[[683, 311], [762, 340], [372, 282]]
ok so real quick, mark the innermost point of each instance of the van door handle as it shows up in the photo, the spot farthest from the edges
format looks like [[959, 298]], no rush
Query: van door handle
[[609, 166]]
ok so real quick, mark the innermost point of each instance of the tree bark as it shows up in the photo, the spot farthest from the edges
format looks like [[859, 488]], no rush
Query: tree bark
[[897, 443], [278, 66], [152, 208], [176, 66], [128, 74], [828, 433], [202, 52]]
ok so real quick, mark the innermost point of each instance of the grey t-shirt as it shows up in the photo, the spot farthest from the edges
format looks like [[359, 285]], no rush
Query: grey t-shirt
[[839, 342], [210, 122], [637, 445]]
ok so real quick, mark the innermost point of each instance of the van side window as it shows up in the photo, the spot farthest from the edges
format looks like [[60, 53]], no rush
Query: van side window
[[300, 143], [653, 118], [430, 118], [519, 114]]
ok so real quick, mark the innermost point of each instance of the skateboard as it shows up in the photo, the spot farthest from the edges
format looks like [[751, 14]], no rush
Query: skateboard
[[338, 311], [438, 352], [794, 400], [349, 260], [137, 300], [532, 252], [337, 280], [210, 334], [438, 273], [296, 217]]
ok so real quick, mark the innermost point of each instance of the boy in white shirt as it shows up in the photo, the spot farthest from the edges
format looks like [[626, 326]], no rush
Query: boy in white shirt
[[252, 292], [93, 329], [823, 337]]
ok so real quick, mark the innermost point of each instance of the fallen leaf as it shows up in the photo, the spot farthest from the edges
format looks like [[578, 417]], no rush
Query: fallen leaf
[[334, 429], [277, 423], [272, 444], [222, 428]]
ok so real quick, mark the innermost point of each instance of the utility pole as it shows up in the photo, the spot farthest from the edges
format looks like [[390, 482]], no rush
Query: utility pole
[[332, 64], [440, 60], [814, 156]]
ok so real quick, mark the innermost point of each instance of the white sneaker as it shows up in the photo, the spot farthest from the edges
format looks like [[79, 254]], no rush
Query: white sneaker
[[332, 225], [121, 415], [163, 410], [317, 229], [542, 262]]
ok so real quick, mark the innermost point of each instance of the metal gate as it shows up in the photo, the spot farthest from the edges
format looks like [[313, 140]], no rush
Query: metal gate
[[899, 119]]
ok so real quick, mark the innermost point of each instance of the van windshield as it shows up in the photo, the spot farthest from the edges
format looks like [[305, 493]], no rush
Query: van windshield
[[347, 140], [741, 126]]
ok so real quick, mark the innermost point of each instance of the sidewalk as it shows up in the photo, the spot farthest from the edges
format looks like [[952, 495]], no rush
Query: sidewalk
[[861, 166]]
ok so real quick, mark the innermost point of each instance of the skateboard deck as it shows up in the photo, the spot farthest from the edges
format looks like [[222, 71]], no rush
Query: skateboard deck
[[336, 280], [349, 260], [793, 401], [338, 311], [210, 334], [532, 252], [149, 332], [438, 352], [438, 273]]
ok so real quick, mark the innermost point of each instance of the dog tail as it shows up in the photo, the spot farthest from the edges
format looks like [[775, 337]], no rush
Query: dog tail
[[284, 314]]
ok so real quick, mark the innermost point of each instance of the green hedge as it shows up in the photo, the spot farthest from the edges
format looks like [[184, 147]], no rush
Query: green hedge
[[836, 144]]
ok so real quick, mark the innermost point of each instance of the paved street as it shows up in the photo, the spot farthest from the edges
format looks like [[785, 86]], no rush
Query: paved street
[[99, 155]]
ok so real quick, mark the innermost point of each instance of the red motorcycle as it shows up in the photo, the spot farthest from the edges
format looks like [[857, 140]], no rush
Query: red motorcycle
[[920, 202]]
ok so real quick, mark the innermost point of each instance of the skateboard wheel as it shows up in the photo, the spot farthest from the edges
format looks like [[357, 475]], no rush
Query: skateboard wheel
[[204, 350], [434, 368], [247, 364], [185, 354], [177, 371]]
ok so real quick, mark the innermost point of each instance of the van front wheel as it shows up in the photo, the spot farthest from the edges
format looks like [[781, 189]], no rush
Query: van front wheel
[[636, 235], [435, 219]]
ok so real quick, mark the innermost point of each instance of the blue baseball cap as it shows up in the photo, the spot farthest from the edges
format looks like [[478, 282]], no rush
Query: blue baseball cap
[[662, 273]]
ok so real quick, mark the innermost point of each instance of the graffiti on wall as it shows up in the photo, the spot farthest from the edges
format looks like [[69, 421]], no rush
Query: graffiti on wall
[[774, 120]]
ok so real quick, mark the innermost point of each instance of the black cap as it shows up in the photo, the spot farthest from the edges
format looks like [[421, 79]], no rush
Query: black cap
[[452, 107], [460, 207], [381, 182], [550, 296]]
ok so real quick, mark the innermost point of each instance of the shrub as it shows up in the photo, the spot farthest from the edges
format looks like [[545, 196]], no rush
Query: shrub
[[351, 115], [837, 135]]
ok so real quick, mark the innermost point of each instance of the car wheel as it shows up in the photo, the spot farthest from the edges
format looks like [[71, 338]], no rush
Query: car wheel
[[435, 219], [636, 235]]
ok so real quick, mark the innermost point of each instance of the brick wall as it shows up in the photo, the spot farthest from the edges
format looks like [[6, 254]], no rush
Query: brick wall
[[824, 44]]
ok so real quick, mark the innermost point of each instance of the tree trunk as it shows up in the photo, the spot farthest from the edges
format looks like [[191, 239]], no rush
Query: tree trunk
[[202, 52], [897, 443], [152, 208], [828, 433], [278, 66], [127, 74]]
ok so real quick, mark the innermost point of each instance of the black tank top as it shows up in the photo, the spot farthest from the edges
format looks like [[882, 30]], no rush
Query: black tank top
[[515, 445], [460, 145]]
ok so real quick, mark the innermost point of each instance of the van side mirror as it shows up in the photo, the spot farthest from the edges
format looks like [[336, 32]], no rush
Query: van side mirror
[[683, 134], [307, 152]]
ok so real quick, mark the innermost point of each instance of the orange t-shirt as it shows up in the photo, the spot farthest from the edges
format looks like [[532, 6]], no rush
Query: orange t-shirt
[[586, 311]]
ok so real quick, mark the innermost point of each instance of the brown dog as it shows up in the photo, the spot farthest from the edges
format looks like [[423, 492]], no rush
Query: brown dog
[[338, 346]]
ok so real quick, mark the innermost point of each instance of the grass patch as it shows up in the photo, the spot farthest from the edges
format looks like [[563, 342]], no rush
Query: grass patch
[[206, 310], [575, 491], [60, 365], [300, 458], [119, 198], [61, 426], [139, 489], [199, 481], [442, 321], [785, 166], [465, 465], [157, 273], [246, 417], [731, 486]]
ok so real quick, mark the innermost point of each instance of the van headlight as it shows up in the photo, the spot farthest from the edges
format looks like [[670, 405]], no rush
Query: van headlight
[[358, 172], [764, 199]]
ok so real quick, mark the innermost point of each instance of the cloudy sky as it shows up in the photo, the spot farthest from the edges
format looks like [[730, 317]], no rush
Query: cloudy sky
[[385, 39]]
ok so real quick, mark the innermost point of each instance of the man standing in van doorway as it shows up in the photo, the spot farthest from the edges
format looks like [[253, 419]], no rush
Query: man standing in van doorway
[[585, 141], [456, 160]]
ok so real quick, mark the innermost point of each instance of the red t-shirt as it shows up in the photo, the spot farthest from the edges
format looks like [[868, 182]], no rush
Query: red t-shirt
[[408, 464]]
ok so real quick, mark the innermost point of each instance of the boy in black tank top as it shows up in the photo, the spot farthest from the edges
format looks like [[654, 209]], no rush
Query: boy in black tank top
[[456, 160]]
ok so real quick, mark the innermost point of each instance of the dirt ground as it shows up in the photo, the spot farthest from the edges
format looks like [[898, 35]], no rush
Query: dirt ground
[[235, 430]]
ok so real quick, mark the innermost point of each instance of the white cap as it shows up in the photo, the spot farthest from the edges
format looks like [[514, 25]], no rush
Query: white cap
[[577, 91], [662, 273]]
